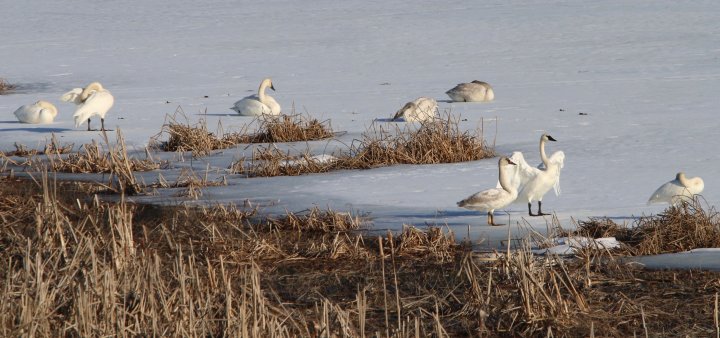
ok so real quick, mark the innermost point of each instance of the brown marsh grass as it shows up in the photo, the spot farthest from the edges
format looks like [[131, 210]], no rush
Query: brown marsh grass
[[433, 142], [195, 138], [682, 227], [6, 87], [74, 265], [113, 159]]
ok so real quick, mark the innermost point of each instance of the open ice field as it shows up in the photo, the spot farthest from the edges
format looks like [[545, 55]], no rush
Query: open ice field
[[644, 75]]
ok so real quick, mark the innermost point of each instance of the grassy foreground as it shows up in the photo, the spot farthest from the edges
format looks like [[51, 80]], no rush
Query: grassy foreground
[[73, 265]]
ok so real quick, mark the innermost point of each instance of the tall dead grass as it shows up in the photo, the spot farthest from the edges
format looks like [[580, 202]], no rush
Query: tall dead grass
[[434, 142], [678, 228], [6, 87], [112, 159], [74, 265], [195, 138]]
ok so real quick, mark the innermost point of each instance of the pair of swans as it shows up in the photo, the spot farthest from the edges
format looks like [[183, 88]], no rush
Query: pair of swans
[[260, 104], [678, 189], [40, 112], [534, 182], [476, 91], [520, 182], [90, 101], [422, 109]]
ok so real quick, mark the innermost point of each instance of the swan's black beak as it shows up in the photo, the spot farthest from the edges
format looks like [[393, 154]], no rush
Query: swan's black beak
[[510, 162], [273, 88], [550, 138]]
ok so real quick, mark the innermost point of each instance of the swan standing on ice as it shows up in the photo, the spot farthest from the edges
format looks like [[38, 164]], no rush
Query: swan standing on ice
[[260, 104], [476, 91], [533, 183], [422, 109], [92, 100], [495, 198], [41, 112], [674, 191]]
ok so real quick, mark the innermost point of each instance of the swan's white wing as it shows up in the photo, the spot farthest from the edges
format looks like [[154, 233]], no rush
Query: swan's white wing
[[98, 103], [521, 173], [72, 96], [251, 106], [558, 158]]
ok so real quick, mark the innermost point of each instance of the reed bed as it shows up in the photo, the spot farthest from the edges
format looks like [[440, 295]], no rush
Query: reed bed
[[433, 142], [74, 265], [682, 227], [6, 87], [196, 138]]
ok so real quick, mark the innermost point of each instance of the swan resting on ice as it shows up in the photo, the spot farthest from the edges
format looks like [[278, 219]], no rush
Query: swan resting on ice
[[41, 112], [533, 183], [260, 104], [674, 191], [422, 109], [495, 198], [91, 100], [476, 91]]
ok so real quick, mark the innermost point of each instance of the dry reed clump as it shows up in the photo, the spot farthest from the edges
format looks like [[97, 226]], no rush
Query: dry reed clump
[[432, 242], [53, 147], [78, 266], [315, 219], [6, 87], [116, 161], [269, 161], [681, 227], [191, 181], [436, 141], [197, 139], [289, 128]]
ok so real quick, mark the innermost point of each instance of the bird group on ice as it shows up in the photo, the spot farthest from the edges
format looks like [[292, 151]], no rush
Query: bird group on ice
[[518, 181]]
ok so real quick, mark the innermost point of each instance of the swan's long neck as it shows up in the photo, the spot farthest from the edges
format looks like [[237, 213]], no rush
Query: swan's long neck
[[261, 90], [504, 180], [543, 156], [683, 180], [95, 86]]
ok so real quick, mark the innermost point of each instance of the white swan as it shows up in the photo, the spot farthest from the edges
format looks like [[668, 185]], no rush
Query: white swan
[[533, 183], [495, 198], [92, 100], [41, 112], [674, 191], [422, 109], [260, 104], [476, 91]]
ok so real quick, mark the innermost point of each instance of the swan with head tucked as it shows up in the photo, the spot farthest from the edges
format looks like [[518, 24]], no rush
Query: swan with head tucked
[[476, 91], [260, 104], [533, 183], [674, 191], [91, 100], [422, 109], [495, 198], [41, 112]]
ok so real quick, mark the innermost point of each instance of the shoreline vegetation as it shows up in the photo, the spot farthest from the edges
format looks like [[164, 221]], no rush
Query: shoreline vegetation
[[78, 266]]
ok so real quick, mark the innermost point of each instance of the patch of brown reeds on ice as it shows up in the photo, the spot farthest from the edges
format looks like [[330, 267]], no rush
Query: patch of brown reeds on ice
[[6, 87], [196, 138], [433, 142]]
